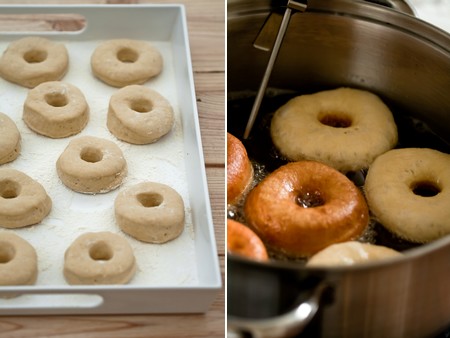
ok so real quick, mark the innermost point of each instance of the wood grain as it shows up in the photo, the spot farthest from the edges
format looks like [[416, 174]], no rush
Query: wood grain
[[206, 25]]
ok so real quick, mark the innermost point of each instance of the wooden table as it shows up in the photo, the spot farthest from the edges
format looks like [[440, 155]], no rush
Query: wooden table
[[206, 24]]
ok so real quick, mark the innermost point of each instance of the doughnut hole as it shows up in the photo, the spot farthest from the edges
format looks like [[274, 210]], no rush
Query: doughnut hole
[[7, 252], [150, 200], [9, 189], [101, 251], [335, 119], [127, 55], [35, 56], [56, 99], [309, 199], [91, 155], [425, 188], [141, 105]]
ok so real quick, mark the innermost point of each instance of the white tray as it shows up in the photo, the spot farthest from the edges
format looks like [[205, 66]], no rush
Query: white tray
[[181, 276]]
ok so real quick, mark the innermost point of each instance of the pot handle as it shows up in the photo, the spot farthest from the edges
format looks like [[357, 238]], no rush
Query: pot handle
[[399, 5], [285, 325]]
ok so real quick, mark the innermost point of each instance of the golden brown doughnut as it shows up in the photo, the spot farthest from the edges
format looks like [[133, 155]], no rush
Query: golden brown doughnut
[[408, 191], [32, 60], [99, 258], [302, 207], [91, 165], [9, 139], [242, 241], [344, 128], [55, 109], [139, 115], [23, 201], [123, 62], [239, 169]]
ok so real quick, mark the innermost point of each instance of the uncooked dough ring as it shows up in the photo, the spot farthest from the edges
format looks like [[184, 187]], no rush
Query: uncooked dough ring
[[56, 109], [99, 258], [91, 165], [122, 62], [139, 115], [18, 260], [9, 139], [33, 60], [23, 201], [408, 191], [344, 128], [150, 212]]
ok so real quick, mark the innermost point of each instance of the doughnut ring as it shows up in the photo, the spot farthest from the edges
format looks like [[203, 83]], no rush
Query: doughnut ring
[[18, 260], [99, 258], [344, 128], [139, 115], [56, 109], [122, 62], [242, 241], [23, 201], [32, 60], [302, 207], [150, 212], [91, 165], [9, 139], [408, 192]]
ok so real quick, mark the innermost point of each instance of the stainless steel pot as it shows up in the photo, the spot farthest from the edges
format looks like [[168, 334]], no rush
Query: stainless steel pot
[[407, 63]]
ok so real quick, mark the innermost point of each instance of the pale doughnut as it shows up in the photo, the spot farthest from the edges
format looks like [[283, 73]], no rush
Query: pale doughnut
[[344, 128], [123, 62], [55, 109], [351, 253], [91, 165], [32, 60], [23, 201], [99, 258], [139, 115], [408, 192], [150, 212], [9, 139], [18, 260]]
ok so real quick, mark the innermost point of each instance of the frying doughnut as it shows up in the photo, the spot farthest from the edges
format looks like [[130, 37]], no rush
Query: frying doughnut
[[242, 241], [18, 260], [9, 139], [150, 212], [99, 258], [139, 115], [32, 60], [351, 253], [408, 191], [55, 109], [239, 169], [123, 62], [91, 165], [23, 201], [302, 207], [344, 128]]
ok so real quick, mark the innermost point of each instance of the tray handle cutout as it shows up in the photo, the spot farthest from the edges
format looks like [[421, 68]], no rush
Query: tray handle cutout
[[40, 23], [50, 301]]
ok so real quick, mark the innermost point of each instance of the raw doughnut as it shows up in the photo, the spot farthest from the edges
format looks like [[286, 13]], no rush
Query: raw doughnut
[[91, 165], [18, 260], [122, 62], [99, 258], [239, 169], [244, 242], [408, 191], [23, 201], [343, 128], [351, 253], [9, 139], [302, 207], [32, 60], [150, 212], [56, 109], [139, 115]]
